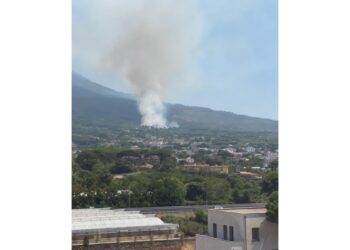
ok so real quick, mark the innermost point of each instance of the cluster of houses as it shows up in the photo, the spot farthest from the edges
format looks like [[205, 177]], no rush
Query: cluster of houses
[[185, 150], [222, 169], [233, 155]]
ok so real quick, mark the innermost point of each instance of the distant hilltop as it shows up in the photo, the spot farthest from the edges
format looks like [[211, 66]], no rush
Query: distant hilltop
[[92, 101]]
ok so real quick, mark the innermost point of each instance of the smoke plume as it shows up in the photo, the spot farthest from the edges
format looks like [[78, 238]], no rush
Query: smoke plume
[[154, 44]]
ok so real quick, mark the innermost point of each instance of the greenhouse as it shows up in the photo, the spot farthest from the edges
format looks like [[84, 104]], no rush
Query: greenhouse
[[104, 225]]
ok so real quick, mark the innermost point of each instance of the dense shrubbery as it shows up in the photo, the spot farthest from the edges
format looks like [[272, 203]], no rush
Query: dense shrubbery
[[94, 185], [270, 182], [272, 207], [189, 225]]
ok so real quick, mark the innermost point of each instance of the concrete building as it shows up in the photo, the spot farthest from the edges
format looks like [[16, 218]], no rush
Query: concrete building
[[112, 226], [145, 167], [250, 175], [189, 160], [270, 156], [223, 169], [230, 150], [250, 149], [238, 229]]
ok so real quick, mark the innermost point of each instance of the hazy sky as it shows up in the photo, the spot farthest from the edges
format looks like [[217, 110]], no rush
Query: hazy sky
[[235, 67]]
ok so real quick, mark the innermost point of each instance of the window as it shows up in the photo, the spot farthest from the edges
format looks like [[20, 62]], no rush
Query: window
[[255, 234], [215, 230], [231, 234], [225, 232]]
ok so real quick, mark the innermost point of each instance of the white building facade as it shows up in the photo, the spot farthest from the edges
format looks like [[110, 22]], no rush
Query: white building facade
[[238, 229], [250, 149]]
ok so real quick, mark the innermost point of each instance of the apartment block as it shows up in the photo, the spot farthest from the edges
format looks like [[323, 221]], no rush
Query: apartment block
[[238, 229]]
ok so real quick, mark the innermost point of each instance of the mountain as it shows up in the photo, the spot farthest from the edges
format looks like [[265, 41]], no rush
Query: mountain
[[91, 102], [84, 87]]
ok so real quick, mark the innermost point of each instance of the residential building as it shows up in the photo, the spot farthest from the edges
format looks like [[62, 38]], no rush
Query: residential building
[[238, 229], [256, 168], [270, 156], [230, 150], [250, 149], [206, 167], [156, 143], [249, 175], [145, 167], [189, 160], [237, 154]]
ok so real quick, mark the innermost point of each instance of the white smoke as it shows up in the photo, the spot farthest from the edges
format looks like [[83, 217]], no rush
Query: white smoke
[[152, 110], [153, 45], [173, 125]]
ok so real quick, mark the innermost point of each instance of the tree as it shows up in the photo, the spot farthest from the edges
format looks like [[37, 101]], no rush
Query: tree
[[87, 159], [217, 189], [168, 192], [224, 153], [140, 187], [168, 163], [183, 155], [121, 168], [235, 180], [188, 225], [270, 182], [213, 161], [75, 166], [241, 196], [102, 175], [195, 191], [201, 216], [83, 178], [163, 154], [274, 165], [272, 207]]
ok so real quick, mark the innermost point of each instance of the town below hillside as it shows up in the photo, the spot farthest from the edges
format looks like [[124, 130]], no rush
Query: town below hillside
[[143, 167]]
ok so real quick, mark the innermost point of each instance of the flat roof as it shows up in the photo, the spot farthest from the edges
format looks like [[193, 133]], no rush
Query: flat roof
[[94, 219], [243, 210]]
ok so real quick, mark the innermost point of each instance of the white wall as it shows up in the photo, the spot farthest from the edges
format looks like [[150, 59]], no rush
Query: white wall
[[223, 218], [268, 234], [242, 228], [204, 242]]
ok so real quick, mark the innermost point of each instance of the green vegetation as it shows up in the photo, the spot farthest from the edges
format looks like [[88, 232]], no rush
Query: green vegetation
[[272, 207], [100, 133], [101, 114], [118, 164], [274, 165], [270, 182], [189, 225], [270, 187], [164, 185]]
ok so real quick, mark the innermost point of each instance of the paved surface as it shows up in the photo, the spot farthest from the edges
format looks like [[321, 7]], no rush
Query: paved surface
[[180, 209]]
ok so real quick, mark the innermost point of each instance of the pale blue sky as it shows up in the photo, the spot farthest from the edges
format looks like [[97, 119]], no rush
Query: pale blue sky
[[236, 67]]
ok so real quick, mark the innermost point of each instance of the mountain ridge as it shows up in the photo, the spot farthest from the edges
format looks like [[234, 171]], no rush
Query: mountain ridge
[[91, 100]]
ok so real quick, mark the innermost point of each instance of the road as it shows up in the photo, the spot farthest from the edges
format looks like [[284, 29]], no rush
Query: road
[[181, 209]]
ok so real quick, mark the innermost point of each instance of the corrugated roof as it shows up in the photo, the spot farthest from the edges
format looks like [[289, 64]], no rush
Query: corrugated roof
[[114, 220]]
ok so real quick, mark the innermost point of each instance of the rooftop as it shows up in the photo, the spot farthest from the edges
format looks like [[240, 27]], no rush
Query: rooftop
[[245, 173], [94, 219], [244, 210]]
